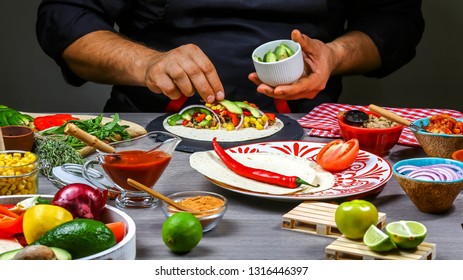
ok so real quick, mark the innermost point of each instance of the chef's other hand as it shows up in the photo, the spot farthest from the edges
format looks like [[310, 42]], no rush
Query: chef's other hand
[[184, 71], [318, 60]]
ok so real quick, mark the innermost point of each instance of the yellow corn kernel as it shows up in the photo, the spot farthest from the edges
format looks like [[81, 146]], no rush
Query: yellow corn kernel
[[230, 127], [208, 117], [259, 126]]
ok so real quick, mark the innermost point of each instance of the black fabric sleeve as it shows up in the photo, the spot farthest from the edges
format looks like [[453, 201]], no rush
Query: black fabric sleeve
[[61, 22], [395, 26]]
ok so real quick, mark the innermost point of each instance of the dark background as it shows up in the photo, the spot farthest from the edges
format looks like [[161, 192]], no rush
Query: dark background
[[32, 82]]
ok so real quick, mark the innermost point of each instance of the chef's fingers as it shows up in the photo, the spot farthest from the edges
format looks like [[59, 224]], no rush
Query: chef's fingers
[[204, 76]]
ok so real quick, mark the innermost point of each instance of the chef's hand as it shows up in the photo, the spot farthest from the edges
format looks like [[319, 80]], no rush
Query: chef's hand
[[319, 62], [184, 71]]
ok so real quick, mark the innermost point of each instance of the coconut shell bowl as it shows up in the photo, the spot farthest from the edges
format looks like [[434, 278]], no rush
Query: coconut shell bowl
[[431, 183]]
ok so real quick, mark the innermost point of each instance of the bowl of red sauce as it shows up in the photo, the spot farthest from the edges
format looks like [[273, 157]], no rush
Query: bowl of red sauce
[[143, 159]]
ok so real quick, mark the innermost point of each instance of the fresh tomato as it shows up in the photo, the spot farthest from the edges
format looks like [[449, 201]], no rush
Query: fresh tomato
[[45, 122], [338, 155], [353, 218], [118, 229]]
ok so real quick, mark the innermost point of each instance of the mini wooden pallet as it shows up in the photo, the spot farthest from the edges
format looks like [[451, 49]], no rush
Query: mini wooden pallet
[[346, 249], [317, 218]]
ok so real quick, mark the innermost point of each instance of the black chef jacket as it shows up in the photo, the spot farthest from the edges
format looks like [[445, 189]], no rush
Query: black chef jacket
[[228, 31]]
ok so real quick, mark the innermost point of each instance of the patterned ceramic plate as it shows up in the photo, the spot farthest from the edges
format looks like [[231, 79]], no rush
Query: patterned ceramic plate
[[367, 175]]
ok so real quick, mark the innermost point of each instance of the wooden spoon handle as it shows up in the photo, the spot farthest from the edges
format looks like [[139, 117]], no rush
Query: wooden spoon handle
[[90, 140], [154, 193], [389, 115]]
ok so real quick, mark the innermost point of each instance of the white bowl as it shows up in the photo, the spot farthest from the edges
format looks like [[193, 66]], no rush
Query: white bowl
[[124, 250], [286, 71]]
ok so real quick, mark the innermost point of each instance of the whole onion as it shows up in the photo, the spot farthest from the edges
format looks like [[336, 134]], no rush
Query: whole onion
[[83, 201]]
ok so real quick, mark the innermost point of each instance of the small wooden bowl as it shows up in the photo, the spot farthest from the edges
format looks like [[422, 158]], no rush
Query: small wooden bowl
[[437, 144], [429, 196], [16, 137]]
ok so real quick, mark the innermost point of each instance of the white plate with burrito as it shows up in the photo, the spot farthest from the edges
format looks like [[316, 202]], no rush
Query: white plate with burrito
[[366, 176]]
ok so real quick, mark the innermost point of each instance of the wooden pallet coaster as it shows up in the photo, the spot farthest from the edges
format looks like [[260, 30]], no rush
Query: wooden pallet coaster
[[317, 218], [346, 249]]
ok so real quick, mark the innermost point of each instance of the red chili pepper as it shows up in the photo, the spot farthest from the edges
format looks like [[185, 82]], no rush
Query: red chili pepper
[[261, 175]]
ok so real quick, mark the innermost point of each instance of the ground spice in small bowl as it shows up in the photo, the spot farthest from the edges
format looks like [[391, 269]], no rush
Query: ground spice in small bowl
[[202, 203]]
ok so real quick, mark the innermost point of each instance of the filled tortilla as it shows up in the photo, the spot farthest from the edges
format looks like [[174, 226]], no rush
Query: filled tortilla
[[222, 134], [210, 165], [227, 120]]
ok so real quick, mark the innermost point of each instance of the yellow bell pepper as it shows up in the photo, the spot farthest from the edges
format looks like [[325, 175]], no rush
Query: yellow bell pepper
[[41, 218]]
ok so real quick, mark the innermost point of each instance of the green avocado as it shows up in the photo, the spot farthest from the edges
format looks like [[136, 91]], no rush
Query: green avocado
[[231, 106], [60, 254], [254, 112], [80, 237]]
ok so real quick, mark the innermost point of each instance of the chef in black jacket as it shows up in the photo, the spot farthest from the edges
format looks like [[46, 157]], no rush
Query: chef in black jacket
[[162, 55]]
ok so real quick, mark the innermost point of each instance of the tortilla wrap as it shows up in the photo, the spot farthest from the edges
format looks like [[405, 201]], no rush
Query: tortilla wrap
[[223, 135], [210, 165]]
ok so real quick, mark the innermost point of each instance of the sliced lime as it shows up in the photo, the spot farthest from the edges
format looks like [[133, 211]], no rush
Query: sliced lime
[[406, 234], [377, 240]]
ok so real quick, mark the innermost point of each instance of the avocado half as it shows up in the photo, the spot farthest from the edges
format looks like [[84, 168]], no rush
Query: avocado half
[[61, 254]]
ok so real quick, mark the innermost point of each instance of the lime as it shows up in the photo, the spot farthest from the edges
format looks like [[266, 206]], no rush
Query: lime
[[181, 232], [377, 240], [406, 234]]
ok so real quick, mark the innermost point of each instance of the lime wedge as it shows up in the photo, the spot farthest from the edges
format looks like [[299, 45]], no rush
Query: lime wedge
[[377, 240], [406, 234]]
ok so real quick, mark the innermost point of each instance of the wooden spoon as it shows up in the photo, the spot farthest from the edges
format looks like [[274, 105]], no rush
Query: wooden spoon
[[154, 193], [394, 117], [2, 144], [90, 140]]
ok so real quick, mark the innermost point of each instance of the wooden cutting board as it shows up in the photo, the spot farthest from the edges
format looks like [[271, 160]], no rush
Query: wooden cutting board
[[133, 129]]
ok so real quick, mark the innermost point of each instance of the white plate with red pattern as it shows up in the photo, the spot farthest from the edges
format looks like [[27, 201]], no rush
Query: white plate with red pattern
[[366, 176]]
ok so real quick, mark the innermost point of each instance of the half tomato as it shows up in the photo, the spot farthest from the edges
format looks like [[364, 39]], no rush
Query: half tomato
[[338, 155]]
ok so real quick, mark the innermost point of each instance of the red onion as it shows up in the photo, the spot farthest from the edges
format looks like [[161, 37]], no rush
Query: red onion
[[266, 123], [433, 172], [240, 123], [83, 201]]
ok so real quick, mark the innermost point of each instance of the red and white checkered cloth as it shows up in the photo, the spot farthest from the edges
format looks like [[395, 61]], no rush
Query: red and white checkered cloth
[[322, 120]]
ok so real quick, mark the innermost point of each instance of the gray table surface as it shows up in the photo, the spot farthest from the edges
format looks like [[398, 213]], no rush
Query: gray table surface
[[251, 228]]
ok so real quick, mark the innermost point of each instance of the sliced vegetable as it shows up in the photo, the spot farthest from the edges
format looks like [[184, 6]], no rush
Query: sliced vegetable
[[338, 155], [188, 112], [231, 106], [45, 122], [27, 203], [254, 111], [82, 200], [433, 172], [118, 229], [10, 222], [174, 119], [10, 116], [261, 175], [109, 132]]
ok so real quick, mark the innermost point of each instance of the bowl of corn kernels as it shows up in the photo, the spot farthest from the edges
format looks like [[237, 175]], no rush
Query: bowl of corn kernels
[[19, 172]]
